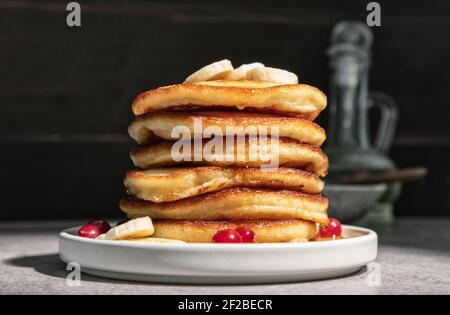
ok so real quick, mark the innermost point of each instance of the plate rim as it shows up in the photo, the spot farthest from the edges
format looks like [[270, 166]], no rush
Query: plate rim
[[68, 234]]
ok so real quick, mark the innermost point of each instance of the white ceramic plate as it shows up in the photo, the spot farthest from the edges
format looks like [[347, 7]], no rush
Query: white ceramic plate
[[221, 263]]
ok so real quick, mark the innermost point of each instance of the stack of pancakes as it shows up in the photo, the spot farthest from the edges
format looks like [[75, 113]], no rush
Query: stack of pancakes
[[193, 199]]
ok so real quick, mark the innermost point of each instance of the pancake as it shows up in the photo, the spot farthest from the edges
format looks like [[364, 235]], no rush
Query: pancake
[[289, 154], [267, 231], [148, 128], [296, 100], [234, 204], [170, 184]]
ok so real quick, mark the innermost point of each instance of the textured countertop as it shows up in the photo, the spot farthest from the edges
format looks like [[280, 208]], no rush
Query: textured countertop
[[414, 257]]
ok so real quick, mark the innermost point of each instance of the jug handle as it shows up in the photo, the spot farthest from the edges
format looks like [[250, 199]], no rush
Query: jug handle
[[388, 120]]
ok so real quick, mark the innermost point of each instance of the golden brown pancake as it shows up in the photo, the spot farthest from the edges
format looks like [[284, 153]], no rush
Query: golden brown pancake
[[267, 231], [170, 184], [234, 204], [290, 154], [148, 128], [296, 100]]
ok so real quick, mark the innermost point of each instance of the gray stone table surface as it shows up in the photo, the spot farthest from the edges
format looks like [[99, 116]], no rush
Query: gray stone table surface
[[414, 258]]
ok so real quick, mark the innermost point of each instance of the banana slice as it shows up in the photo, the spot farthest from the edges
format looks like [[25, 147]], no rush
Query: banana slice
[[272, 75], [215, 71], [155, 240], [137, 228], [242, 72]]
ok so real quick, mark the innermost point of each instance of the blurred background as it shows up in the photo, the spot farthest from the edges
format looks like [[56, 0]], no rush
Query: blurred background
[[66, 92]]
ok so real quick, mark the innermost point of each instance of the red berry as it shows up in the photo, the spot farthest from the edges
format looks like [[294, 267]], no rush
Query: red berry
[[227, 236], [89, 231], [248, 236], [332, 229], [102, 224]]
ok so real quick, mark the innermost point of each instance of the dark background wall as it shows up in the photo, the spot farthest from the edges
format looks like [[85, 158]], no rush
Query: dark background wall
[[65, 93]]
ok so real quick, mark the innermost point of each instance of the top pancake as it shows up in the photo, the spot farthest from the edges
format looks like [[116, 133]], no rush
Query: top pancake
[[152, 127], [295, 100]]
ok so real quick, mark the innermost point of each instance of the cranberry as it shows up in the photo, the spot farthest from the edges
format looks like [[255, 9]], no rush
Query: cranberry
[[102, 224], [227, 236], [89, 231], [332, 229], [248, 236]]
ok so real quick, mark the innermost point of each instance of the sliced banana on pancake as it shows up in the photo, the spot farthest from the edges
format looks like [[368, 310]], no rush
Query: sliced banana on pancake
[[153, 127], [272, 75], [234, 204], [170, 184], [266, 231], [241, 73], [215, 71], [137, 228]]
